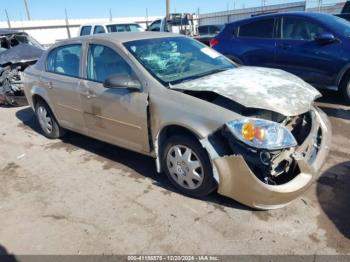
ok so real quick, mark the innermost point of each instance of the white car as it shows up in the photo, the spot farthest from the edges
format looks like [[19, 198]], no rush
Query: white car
[[102, 28]]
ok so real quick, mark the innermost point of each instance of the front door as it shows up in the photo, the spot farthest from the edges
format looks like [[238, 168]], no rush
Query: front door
[[298, 53], [115, 115]]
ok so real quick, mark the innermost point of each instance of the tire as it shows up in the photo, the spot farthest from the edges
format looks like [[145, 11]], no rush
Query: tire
[[345, 89], [47, 121], [184, 174]]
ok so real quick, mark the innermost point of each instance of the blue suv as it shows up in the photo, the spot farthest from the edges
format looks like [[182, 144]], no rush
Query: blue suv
[[313, 46]]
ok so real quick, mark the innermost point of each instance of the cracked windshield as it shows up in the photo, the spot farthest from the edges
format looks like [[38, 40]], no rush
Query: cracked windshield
[[176, 59]]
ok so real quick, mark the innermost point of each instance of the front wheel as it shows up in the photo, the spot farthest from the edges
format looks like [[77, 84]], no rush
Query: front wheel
[[188, 166], [47, 121]]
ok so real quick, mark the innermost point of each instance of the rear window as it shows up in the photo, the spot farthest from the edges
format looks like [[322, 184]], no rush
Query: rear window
[[257, 29], [85, 30], [203, 30], [124, 28]]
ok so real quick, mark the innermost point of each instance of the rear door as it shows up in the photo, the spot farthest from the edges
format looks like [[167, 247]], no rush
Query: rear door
[[254, 42], [297, 51], [62, 79]]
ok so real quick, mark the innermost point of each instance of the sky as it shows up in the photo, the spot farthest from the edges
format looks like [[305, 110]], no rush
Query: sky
[[54, 9]]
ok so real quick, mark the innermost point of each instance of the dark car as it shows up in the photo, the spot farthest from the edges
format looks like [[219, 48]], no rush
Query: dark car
[[313, 46], [345, 12], [18, 50], [207, 32]]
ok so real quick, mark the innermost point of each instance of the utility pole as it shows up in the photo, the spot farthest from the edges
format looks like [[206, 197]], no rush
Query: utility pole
[[27, 9], [110, 15], [263, 3], [319, 5], [67, 23], [234, 4], [167, 9], [8, 19], [147, 17]]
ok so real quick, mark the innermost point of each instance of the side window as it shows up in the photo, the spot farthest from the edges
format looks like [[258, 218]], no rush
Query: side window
[[155, 26], [294, 28], [203, 30], [258, 29], [65, 60], [120, 28], [135, 28], [99, 30], [85, 30], [214, 30], [104, 62]]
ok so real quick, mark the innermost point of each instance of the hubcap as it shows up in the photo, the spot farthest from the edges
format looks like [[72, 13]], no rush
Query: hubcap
[[44, 119], [185, 167]]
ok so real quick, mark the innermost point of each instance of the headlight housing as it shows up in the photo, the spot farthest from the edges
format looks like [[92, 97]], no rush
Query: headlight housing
[[262, 134]]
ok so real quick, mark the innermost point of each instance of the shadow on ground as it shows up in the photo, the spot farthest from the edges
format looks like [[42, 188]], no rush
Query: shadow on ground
[[5, 256], [143, 165], [333, 192]]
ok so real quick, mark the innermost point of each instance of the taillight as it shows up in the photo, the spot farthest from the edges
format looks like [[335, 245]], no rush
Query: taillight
[[214, 42]]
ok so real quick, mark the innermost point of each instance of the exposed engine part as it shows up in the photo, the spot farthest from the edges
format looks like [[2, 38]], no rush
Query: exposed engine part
[[11, 86]]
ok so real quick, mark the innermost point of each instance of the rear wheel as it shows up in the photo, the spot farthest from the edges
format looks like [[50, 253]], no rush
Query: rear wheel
[[47, 121], [188, 167]]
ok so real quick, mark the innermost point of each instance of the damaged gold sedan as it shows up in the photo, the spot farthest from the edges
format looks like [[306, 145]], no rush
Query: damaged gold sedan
[[253, 134]]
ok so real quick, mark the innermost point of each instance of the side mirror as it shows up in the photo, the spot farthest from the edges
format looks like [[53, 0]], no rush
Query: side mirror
[[117, 81], [325, 38]]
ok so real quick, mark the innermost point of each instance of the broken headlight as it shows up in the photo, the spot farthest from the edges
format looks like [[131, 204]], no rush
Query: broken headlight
[[262, 134]]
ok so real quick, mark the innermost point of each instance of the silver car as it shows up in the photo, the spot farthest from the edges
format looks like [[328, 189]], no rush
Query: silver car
[[252, 134]]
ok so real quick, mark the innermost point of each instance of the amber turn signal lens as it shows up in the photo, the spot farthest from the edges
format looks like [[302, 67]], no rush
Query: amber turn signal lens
[[248, 131]]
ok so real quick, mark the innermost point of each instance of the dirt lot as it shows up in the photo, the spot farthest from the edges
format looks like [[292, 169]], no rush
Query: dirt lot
[[81, 196]]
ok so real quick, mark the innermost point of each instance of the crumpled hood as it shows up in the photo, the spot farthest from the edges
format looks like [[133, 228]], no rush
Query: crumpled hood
[[256, 87], [20, 54]]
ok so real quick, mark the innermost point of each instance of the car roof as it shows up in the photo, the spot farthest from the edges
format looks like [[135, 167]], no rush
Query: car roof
[[122, 37], [7, 31], [314, 15], [110, 23]]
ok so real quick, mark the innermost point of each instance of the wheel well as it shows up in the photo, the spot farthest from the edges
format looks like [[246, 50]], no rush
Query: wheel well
[[168, 132], [36, 99], [344, 77]]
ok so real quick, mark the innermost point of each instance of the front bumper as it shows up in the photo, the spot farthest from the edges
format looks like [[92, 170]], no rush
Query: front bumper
[[237, 180]]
